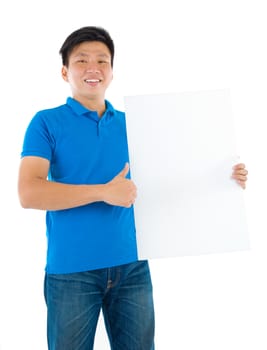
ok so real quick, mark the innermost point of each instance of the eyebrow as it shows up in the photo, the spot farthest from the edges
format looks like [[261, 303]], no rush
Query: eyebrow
[[83, 54]]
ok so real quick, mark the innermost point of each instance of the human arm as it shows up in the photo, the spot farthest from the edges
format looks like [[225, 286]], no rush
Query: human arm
[[240, 174], [36, 192]]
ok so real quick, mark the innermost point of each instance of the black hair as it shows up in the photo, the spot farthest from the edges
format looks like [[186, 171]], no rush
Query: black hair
[[89, 33]]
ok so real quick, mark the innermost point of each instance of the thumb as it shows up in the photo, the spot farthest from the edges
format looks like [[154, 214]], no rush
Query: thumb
[[125, 170]]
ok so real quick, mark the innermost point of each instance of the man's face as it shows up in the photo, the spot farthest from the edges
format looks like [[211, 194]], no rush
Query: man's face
[[89, 72]]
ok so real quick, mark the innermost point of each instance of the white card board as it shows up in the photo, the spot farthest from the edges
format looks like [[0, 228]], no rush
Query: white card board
[[182, 149]]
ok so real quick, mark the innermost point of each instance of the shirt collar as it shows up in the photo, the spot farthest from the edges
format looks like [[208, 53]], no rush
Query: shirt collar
[[79, 109]]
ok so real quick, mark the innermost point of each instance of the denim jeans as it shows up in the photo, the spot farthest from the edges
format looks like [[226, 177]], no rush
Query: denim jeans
[[74, 302]]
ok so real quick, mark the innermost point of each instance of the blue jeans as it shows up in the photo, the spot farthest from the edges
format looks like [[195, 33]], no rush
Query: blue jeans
[[74, 302]]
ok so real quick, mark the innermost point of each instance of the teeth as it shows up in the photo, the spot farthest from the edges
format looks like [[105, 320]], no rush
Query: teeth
[[92, 80]]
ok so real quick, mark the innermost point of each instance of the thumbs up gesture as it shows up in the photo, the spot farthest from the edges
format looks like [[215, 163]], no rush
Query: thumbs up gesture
[[120, 190]]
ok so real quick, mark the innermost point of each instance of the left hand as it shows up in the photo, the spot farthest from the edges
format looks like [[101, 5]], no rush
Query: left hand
[[240, 174]]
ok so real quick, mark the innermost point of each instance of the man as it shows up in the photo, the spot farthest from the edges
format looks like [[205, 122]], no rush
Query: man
[[75, 166]]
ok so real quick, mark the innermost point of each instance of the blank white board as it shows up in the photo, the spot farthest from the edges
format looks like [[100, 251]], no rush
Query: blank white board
[[182, 150]]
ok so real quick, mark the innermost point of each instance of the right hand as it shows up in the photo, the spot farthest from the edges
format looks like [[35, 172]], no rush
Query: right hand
[[121, 191]]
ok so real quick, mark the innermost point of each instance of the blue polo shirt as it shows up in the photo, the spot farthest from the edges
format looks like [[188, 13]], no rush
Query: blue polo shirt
[[83, 149]]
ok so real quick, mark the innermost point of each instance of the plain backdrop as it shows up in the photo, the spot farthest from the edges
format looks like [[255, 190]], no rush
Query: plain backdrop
[[201, 302]]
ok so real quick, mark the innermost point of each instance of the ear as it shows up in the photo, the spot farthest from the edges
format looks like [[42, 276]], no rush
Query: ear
[[64, 73]]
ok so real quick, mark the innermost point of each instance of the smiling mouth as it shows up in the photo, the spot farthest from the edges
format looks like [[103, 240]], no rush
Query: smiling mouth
[[92, 81]]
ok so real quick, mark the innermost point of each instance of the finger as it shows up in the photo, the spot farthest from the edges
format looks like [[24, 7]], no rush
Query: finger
[[125, 170], [243, 172], [239, 166], [240, 173], [242, 184], [241, 178]]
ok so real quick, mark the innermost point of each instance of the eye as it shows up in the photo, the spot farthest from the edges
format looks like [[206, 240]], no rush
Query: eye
[[82, 61]]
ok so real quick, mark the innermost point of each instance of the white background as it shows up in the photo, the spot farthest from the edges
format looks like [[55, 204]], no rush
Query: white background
[[203, 302]]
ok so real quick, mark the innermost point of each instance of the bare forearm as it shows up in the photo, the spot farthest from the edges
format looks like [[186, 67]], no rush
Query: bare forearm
[[47, 195], [36, 192]]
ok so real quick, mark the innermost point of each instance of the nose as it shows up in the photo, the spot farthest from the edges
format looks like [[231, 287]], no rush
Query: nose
[[92, 67], [92, 70]]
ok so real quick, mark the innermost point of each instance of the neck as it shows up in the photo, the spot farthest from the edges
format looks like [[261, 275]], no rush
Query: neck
[[93, 104]]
